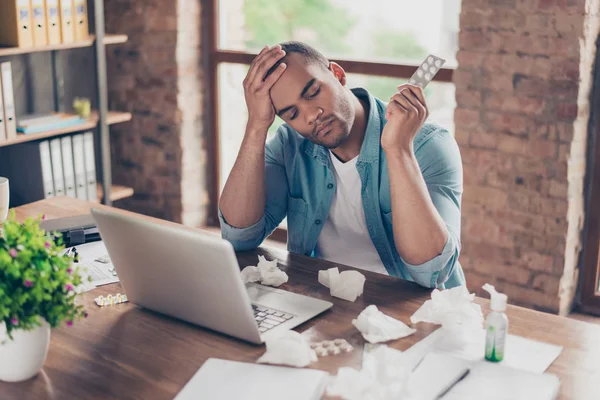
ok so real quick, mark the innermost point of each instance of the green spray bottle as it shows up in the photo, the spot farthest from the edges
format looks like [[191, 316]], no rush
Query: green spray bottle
[[496, 325]]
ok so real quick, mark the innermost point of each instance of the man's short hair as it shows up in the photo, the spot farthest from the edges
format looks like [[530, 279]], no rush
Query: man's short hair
[[310, 54]]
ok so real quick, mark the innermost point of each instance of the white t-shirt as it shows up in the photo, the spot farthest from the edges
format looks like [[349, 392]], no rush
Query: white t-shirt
[[345, 238]]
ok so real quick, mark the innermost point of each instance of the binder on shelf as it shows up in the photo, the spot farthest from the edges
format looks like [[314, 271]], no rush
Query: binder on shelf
[[90, 165], [38, 23], [81, 19], [79, 165], [68, 169], [29, 168], [15, 23], [57, 167], [66, 21], [8, 100], [52, 21], [3, 137]]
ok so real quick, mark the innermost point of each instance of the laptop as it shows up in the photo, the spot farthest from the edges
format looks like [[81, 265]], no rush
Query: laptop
[[194, 276]]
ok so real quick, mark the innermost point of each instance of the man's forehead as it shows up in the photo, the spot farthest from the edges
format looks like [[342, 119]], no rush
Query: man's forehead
[[290, 84]]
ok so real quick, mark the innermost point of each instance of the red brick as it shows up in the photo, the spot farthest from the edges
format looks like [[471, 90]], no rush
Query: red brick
[[531, 86], [485, 140], [474, 176], [466, 80], [462, 136], [469, 59], [506, 123], [468, 99], [537, 23], [556, 225], [543, 149], [563, 152], [499, 179], [527, 165], [537, 262], [563, 90], [474, 40], [482, 229], [566, 111], [497, 82], [519, 201], [558, 189], [476, 18], [565, 69], [514, 221], [515, 104], [493, 199], [515, 274], [506, 19], [512, 144], [568, 25], [465, 118]]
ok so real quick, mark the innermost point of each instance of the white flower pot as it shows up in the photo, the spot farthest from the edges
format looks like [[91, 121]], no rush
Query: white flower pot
[[24, 356]]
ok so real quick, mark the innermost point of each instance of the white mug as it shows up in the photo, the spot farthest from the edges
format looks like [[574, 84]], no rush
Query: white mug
[[4, 199]]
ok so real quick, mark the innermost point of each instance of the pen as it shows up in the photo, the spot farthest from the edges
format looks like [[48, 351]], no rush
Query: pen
[[453, 383]]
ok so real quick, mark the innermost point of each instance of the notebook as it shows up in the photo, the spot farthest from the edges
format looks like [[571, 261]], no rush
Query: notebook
[[221, 379], [485, 380]]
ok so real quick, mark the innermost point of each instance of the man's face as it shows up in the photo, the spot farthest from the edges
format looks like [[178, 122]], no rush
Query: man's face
[[313, 102]]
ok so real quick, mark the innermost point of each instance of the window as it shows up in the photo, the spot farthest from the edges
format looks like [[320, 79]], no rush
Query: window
[[379, 45]]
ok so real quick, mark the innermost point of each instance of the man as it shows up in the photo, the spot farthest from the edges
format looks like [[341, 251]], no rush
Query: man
[[362, 182]]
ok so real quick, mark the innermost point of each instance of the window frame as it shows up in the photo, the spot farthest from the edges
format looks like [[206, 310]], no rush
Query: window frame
[[216, 56]]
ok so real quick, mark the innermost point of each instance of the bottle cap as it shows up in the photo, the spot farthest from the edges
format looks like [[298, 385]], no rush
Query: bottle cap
[[499, 300]]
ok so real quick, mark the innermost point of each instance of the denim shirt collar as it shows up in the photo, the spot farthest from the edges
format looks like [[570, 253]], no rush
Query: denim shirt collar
[[369, 152]]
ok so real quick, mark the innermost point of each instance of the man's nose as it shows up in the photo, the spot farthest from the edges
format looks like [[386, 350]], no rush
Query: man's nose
[[313, 115]]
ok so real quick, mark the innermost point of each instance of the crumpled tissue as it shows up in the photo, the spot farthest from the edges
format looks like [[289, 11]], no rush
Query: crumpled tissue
[[384, 375], [289, 348], [377, 327], [266, 272], [347, 285], [455, 310]]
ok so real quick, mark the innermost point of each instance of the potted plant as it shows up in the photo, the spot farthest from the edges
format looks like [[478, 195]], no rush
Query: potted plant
[[37, 292]]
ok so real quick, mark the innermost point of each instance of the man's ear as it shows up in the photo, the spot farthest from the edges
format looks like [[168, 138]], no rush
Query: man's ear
[[338, 72]]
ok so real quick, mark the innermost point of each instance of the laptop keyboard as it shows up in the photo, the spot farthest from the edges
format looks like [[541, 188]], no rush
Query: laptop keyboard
[[267, 318]]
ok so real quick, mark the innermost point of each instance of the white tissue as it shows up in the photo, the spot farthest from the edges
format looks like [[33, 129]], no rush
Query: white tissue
[[266, 272], [377, 327], [289, 348], [384, 375], [455, 310], [347, 285]]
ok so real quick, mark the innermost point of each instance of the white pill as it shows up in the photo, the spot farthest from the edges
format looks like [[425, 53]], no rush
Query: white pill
[[321, 352], [430, 60], [438, 63], [419, 73], [315, 345], [334, 350], [412, 82], [428, 76], [433, 70], [346, 347], [339, 342]]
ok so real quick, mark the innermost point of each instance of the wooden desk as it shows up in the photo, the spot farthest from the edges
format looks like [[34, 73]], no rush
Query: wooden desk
[[124, 352]]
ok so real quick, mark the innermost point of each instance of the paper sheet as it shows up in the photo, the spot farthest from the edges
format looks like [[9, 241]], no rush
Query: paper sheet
[[102, 273], [221, 379], [485, 380], [520, 353]]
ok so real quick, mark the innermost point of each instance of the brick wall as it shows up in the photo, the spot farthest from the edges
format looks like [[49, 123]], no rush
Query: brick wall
[[522, 91], [157, 77]]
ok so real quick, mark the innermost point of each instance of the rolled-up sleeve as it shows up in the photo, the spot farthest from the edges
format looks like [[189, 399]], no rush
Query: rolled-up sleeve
[[441, 166], [276, 187]]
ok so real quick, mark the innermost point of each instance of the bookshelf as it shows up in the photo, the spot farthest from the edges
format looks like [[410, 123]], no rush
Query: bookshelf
[[101, 118], [108, 40], [117, 192], [114, 117]]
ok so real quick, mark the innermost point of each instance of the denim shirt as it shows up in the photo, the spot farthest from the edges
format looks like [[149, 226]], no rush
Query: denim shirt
[[300, 184]]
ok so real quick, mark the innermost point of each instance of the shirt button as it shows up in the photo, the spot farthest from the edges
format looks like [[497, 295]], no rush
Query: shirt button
[[318, 222], [329, 185]]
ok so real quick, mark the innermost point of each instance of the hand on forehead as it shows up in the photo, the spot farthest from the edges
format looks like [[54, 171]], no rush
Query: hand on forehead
[[289, 87]]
